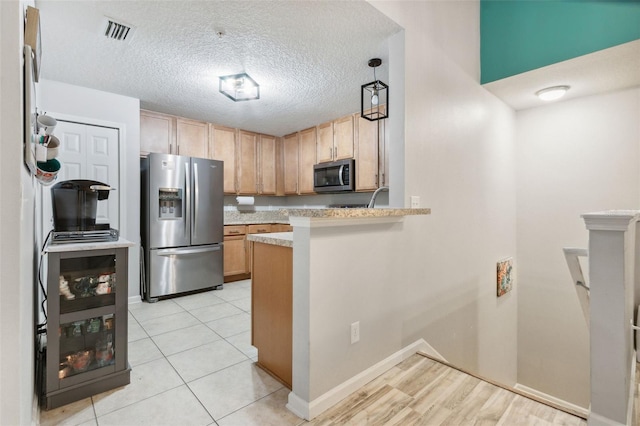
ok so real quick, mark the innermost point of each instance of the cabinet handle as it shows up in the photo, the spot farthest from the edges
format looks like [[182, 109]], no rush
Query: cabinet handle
[[330, 153], [262, 230], [170, 149], [335, 152], [234, 232], [383, 180], [375, 177]]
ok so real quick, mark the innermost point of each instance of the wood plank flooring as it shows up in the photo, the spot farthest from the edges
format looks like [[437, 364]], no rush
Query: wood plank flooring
[[420, 391]]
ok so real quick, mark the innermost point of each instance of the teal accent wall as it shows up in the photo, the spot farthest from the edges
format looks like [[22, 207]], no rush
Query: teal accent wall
[[522, 35]]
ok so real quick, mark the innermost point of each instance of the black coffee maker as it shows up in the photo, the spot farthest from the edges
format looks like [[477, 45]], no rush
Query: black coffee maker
[[75, 203]]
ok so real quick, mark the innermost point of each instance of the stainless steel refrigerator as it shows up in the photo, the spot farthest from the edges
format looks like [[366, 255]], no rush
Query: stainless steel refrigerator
[[182, 224]]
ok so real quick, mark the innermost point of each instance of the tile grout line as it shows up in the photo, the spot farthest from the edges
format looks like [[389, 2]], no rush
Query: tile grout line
[[184, 382]]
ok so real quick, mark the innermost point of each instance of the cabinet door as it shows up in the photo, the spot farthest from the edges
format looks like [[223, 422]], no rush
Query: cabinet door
[[324, 151], [192, 138], [235, 255], [223, 148], [343, 138], [157, 132], [279, 166], [272, 308], [267, 165], [367, 154], [247, 167], [383, 153], [307, 160], [290, 154]]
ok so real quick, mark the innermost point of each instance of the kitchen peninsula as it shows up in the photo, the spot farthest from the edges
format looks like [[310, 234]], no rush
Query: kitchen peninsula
[[344, 264]]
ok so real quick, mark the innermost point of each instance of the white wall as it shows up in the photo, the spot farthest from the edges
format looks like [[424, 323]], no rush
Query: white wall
[[16, 231], [573, 157], [459, 158], [54, 97]]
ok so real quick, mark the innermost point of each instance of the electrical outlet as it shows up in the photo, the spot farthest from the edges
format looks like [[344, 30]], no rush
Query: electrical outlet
[[415, 202], [355, 332]]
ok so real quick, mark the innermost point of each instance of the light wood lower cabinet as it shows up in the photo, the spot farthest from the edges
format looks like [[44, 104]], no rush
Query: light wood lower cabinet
[[237, 250], [272, 308], [235, 257]]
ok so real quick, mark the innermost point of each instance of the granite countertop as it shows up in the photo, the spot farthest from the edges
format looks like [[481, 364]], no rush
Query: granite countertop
[[282, 215], [254, 217], [355, 213], [284, 239]]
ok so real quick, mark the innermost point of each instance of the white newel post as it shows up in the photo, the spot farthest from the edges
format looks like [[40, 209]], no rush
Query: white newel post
[[611, 271]]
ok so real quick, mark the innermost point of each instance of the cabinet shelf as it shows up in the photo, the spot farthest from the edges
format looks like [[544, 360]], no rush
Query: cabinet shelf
[[86, 303]]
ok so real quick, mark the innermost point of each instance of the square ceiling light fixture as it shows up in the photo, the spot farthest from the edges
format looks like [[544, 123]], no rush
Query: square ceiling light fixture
[[239, 87]]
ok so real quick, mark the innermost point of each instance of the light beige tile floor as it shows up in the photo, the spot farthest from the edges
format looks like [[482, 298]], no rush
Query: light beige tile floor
[[192, 364]]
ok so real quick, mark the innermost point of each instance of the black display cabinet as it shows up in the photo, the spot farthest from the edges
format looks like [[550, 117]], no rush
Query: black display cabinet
[[86, 346]]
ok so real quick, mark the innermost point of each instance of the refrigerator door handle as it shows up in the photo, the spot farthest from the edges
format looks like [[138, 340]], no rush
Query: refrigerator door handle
[[188, 200], [178, 252], [196, 198]]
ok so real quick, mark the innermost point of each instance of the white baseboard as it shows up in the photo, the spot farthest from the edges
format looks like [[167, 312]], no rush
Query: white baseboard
[[309, 410], [552, 399], [134, 299], [597, 420]]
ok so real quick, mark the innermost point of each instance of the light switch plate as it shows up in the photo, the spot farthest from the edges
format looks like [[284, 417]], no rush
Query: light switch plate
[[415, 202]]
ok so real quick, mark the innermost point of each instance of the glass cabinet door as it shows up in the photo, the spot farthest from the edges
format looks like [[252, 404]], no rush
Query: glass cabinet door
[[86, 345], [87, 282]]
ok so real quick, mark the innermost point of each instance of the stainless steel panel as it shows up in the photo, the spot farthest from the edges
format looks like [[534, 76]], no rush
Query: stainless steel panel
[[168, 172], [178, 270], [207, 201]]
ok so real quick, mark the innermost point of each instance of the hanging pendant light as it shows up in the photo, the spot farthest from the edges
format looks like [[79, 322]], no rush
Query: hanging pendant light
[[374, 97]]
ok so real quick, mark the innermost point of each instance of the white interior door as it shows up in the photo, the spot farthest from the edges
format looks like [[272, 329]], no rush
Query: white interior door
[[86, 152]]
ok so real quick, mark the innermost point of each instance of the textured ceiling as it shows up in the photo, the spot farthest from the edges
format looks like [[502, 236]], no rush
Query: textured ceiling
[[309, 57]]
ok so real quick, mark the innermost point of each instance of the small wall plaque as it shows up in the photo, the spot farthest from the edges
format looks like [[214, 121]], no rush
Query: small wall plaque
[[504, 275]]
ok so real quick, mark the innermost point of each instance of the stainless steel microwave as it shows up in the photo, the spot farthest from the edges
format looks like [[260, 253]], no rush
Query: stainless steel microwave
[[335, 176]]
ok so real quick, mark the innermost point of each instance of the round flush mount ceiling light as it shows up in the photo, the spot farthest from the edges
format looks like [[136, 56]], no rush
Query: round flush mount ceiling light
[[552, 93]]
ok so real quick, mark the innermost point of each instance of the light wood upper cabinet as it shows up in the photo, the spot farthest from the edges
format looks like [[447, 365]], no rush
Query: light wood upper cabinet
[[290, 163], [343, 138], [192, 138], [280, 166], [324, 151], [168, 134], [222, 146], [307, 158], [157, 132], [367, 140], [267, 165], [335, 140], [247, 167]]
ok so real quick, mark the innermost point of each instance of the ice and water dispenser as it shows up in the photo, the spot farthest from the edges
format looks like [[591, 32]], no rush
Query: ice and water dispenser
[[170, 203]]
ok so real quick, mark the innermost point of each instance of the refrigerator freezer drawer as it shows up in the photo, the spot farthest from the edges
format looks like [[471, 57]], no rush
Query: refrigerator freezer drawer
[[176, 270]]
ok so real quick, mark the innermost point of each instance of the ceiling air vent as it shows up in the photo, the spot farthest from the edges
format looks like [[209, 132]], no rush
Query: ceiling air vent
[[115, 30]]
